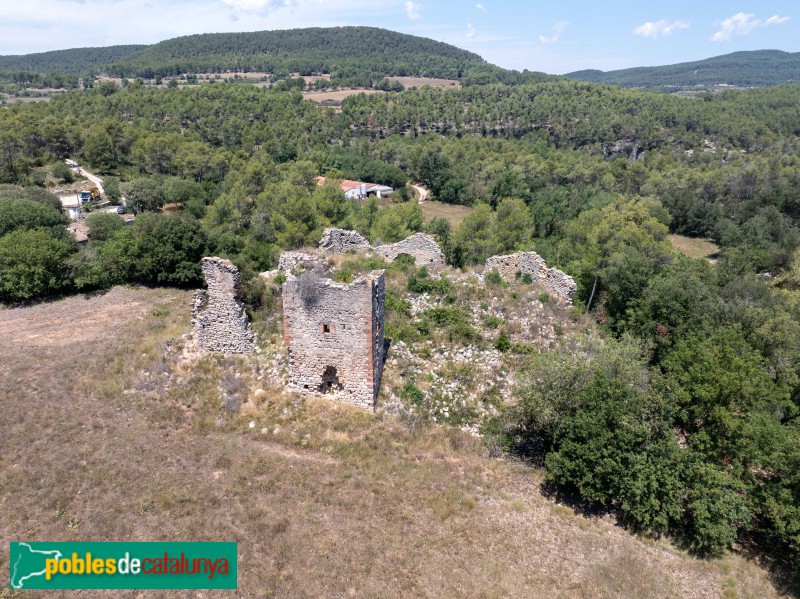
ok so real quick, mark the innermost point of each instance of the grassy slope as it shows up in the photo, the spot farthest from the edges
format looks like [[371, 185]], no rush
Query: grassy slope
[[110, 441], [754, 68]]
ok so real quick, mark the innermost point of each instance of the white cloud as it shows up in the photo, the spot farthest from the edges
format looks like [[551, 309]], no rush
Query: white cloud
[[662, 28], [256, 5], [742, 24], [480, 7], [413, 10], [558, 29], [471, 31]]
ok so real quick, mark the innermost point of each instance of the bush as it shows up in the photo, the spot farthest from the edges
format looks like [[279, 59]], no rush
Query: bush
[[616, 451], [493, 277], [33, 264], [502, 344], [419, 282], [23, 214], [62, 172]]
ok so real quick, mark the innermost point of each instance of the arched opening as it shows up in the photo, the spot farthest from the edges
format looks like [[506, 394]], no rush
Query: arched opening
[[330, 381]]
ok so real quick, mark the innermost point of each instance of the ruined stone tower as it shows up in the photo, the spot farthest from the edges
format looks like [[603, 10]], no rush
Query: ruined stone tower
[[219, 320], [334, 334]]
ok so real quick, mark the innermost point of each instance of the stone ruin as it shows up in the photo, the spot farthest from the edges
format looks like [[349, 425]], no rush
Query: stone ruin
[[219, 319], [423, 248], [532, 263], [341, 241], [334, 336]]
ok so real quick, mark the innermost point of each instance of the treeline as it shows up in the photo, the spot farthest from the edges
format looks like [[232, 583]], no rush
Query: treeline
[[32, 79], [75, 61]]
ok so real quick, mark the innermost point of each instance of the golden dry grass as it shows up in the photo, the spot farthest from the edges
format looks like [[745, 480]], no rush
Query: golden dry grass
[[106, 439], [452, 212], [429, 81], [339, 94], [694, 247]]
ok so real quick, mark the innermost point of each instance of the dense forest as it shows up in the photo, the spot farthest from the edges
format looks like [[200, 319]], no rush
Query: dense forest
[[744, 69], [75, 61], [684, 418]]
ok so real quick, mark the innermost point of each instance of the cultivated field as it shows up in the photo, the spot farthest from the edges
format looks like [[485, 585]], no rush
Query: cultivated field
[[429, 81], [107, 437], [338, 95]]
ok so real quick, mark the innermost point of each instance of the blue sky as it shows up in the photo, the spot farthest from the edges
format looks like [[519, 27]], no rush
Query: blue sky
[[555, 37]]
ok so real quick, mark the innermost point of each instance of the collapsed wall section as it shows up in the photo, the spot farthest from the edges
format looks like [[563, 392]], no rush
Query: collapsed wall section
[[334, 334], [533, 264], [341, 241], [219, 319], [422, 247]]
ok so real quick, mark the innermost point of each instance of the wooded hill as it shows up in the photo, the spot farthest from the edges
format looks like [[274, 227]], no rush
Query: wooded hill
[[747, 69], [344, 50], [74, 61]]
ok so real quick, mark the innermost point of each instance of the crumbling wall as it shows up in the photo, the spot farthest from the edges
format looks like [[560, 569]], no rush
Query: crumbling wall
[[421, 246], [532, 263], [219, 319], [340, 241], [297, 261], [334, 334]]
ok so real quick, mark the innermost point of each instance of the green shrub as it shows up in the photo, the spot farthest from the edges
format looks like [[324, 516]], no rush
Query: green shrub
[[502, 344], [492, 321], [419, 282], [493, 277], [544, 297]]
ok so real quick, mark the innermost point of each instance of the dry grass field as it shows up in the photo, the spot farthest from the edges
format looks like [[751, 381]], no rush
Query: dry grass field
[[338, 94], [452, 212], [107, 436], [429, 81], [694, 247]]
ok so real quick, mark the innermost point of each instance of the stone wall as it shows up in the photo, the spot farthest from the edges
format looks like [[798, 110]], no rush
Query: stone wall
[[422, 247], [340, 241], [335, 336], [532, 263], [297, 261], [219, 319]]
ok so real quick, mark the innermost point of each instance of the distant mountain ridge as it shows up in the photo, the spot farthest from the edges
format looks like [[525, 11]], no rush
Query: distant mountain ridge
[[746, 69], [74, 61], [346, 49]]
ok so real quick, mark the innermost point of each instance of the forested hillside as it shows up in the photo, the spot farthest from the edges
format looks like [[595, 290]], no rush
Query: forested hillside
[[745, 69], [75, 61], [684, 420]]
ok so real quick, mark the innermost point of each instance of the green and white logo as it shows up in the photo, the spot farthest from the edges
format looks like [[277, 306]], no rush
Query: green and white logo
[[122, 565]]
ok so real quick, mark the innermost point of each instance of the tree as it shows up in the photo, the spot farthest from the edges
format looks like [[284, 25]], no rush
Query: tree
[[62, 172], [144, 194], [33, 263], [475, 238], [103, 226], [26, 214], [514, 225]]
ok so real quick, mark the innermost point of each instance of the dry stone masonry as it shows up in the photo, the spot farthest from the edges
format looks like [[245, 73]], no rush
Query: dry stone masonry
[[218, 317], [341, 241], [532, 263], [334, 336], [422, 247]]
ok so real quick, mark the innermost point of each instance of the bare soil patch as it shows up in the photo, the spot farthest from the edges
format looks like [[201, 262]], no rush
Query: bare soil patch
[[105, 437], [429, 81], [339, 94]]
